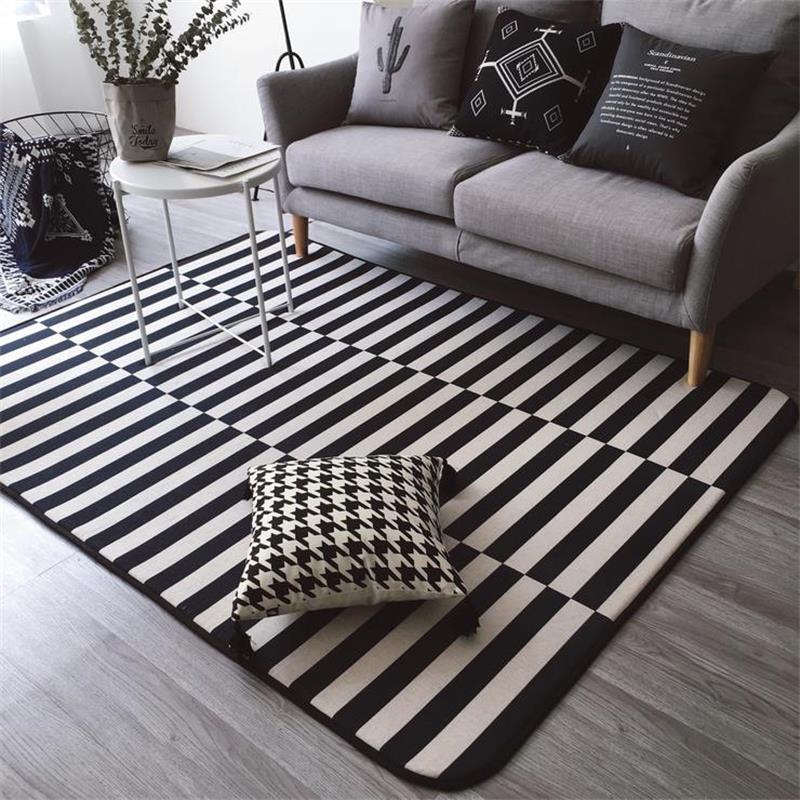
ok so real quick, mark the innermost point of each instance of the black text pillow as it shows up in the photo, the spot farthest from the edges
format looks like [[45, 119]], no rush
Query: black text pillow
[[538, 82], [665, 110], [334, 532], [409, 64]]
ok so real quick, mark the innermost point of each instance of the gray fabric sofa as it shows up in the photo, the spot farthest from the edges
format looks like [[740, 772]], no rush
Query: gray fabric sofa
[[612, 239]]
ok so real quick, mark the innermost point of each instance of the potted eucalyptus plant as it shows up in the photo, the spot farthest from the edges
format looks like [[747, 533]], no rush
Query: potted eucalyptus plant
[[142, 60]]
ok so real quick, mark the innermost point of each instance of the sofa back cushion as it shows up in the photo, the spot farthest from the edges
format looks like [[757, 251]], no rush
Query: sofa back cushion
[[741, 25], [587, 11], [747, 26]]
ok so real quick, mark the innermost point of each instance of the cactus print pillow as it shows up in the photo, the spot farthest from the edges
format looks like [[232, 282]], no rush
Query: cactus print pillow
[[409, 64]]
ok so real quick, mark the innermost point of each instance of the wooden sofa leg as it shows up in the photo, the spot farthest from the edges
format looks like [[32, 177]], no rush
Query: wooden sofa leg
[[300, 230], [700, 345]]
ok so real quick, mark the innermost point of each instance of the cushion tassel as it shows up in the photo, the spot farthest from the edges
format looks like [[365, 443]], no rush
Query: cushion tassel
[[467, 619], [448, 483], [240, 642]]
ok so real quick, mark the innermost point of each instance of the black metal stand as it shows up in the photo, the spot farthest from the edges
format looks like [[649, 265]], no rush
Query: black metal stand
[[290, 54], [294, 59]]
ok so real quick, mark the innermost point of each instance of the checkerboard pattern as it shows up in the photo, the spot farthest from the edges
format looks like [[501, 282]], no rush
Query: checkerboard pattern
[[584, 464]]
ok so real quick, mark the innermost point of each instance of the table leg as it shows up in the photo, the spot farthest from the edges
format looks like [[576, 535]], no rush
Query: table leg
[[282, 236], [137, 302], [262, 312], [171, 240]]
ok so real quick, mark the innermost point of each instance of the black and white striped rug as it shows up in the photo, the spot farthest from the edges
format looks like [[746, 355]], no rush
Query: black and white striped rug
[[586, 463]]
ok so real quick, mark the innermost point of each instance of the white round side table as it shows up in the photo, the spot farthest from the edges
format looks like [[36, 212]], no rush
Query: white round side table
[[151, 179]]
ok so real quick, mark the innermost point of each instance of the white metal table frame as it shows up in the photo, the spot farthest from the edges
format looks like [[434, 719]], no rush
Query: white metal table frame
[[169, 183]]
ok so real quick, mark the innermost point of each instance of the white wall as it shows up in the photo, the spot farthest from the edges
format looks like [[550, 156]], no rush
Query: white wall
[[43, 67], [217, 92], [17, 92]]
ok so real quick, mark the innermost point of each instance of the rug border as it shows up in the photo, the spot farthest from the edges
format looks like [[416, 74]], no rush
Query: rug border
[[487, 769]]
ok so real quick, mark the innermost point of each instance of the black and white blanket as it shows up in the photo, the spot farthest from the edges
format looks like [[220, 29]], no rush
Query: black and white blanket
[[56, 220]]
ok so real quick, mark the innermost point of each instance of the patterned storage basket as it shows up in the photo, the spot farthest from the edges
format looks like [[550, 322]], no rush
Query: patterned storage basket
[[66, 124], [57, 216]]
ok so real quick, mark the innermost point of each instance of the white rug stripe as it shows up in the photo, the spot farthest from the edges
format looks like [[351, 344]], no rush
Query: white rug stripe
[[175, 514], [59, 378], [629, 589], [431, 440], [399, 424], [544, 483], [501, 470], [518, 361], [469, 335], [441, 751], [17, 356], [615, 535], [107, 457], [401, 321], [44, 454], [562, 524], [379, 658], [732, 446], [436, 325], [193, 541], [75, 423], [428, 683], [318, 443], [112, 382], [134, 472], [353, 360], [553, 370], [348, 329], [320, 644], [205, 575], [150, 493], [272, 379], [340, 399], [616, 400], [659, 408], [586, 382], [30, 372], [679, 441], [347, 306]]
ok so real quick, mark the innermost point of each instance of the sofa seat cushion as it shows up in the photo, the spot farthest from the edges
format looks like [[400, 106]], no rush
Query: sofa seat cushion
[[410, 168], [623, 225]]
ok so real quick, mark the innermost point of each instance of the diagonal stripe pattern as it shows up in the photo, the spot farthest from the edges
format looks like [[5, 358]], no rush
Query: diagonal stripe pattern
[[584, 465]]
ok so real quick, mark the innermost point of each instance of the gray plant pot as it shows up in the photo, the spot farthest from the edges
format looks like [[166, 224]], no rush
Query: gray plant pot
[[141, 118]]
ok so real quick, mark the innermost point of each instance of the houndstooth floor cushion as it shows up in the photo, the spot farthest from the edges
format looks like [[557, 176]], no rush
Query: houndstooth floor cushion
[[345, 531], [584, 466]]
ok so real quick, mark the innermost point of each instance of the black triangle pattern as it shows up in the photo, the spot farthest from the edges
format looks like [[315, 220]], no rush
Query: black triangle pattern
[[331, 532]]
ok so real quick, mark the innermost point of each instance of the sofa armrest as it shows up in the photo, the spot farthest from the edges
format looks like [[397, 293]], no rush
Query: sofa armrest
[[298, 103], [748, 232]]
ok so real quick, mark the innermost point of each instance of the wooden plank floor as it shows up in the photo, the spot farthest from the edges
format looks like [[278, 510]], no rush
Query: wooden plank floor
[[104, 695]]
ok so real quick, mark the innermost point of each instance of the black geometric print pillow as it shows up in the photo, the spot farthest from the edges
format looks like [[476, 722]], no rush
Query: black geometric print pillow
[[538, 82], [334, 532]]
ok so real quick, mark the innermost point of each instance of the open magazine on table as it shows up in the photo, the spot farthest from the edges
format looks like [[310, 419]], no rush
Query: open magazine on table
[[217, 156]]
